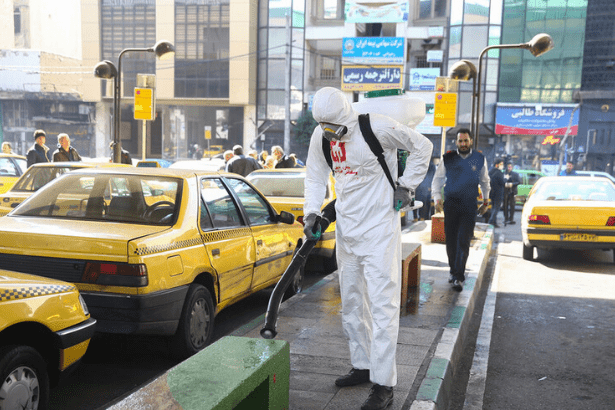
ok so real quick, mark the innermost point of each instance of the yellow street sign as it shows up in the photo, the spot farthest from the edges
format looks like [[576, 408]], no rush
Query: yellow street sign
[[208, 132], [445, 110], [144, 104]]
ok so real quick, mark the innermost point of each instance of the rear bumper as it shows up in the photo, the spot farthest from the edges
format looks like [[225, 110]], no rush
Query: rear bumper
[[157, 313], [571, 244]]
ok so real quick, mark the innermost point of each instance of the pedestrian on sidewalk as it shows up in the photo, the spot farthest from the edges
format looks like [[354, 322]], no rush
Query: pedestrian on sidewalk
[[38, 152], [65, 153], [462, 170], [510, 194], [498, 184], [368, 230], [241, 164]]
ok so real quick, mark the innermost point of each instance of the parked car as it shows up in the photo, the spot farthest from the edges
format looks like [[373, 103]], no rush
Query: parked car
[[11, 168], [153, 250], [596, 174], [37, 176], [45, 329], [205, 164], [569, 213], [528, 179], [284, 188], [154, 163]]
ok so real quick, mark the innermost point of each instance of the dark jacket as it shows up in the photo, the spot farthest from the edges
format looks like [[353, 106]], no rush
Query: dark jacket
[[62, 156], [513, 177], [38, 153], [462, 175], [286, 162], [496, 177], [242, 165]]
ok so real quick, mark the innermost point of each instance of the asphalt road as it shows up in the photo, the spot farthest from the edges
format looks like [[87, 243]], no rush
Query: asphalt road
[[552, 326], [116, 365]]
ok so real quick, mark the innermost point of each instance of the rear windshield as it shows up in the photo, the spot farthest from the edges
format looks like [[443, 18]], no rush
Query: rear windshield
[[135, 199], [575, 190]]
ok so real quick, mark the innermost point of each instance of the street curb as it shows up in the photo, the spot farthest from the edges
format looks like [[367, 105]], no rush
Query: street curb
[[434, 391]]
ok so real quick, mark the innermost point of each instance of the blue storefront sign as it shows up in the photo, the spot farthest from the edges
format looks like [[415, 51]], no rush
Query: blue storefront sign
[[373, 50], [536, 119]]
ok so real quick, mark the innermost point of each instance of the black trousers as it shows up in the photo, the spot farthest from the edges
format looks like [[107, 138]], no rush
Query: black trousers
[[509, 207], [459, 222]]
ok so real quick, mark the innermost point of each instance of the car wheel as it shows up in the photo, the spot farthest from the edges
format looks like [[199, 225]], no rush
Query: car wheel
[[196, 323], [25, 383], [296, 285], [528, 252]]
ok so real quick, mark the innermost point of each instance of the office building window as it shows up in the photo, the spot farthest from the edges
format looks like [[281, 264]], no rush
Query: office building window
[[202, 48], [129, 24], [431, 8]]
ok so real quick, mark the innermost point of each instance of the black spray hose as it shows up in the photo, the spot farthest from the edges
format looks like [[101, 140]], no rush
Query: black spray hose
[[271, 317]]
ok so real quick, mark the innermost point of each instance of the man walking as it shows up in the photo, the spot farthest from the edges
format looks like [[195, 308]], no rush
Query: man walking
[[462, 170], [368, 230], [240, 164], [38, 152], [512, 180], [496, 180], [65, 152]]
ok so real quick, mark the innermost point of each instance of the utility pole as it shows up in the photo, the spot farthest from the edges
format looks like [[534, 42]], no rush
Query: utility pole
[[289, 37]]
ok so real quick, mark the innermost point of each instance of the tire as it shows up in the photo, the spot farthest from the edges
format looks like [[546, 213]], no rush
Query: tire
[[528, 253], [25, 382], [296, 285], [196, 323]]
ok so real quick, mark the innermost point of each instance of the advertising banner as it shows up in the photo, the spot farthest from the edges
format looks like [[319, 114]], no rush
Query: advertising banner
[[373, 50], [423, 79], [372, 78], [535, 119], [375, 12]]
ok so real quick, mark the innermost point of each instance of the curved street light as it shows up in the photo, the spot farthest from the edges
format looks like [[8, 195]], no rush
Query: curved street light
[[538, 45], [106, 69], [466, 70]]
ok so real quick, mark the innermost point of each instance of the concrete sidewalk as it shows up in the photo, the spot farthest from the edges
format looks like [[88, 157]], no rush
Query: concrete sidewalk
[[430, 337]]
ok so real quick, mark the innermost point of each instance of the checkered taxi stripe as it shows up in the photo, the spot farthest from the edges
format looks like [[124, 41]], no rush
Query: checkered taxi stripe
[[33, 291], [213, 236]]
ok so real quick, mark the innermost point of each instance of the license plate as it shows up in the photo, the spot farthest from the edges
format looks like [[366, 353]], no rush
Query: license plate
[[580, 237]]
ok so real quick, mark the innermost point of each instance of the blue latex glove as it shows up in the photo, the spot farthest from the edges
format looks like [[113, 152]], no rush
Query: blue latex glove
[[401, 197], [311, 227]]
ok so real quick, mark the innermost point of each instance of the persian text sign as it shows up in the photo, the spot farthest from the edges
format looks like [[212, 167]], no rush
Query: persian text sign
[[445, 110], [535, 119], [373, 50], [144, 104], [362, 78], [376, 12]]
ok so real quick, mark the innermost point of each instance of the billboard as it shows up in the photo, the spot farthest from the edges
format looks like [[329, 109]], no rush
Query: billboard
[[536, 119], [373, 50], [371, 78], [423, 79], [376, 12]]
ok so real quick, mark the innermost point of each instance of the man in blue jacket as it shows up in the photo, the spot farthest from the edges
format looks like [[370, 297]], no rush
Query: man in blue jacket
[[462, 170], [498, 183]]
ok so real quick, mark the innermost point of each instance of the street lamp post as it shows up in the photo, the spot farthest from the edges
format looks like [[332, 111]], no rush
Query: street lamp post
[[540, 44], [106, 69]]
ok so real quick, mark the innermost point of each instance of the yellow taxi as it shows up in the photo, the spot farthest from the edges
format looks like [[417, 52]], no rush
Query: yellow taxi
[[45, 330], [39, 175], [284, 188], [569, 212], [11, 168], [153, 250]]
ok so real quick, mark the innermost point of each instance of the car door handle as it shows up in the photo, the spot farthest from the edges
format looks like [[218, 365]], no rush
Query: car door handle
[[259, 242], [215, 252]]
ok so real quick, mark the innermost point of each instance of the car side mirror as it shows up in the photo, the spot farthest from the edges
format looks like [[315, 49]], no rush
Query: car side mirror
[[286, 218]]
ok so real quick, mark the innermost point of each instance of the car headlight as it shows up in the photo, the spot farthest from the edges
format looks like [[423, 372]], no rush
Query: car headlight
[[84, 306]]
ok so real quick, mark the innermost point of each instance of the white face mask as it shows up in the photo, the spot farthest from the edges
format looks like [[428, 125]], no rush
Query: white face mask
[[333, 132]]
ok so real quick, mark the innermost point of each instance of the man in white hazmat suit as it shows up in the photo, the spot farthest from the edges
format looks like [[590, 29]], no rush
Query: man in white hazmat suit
[[368, 231]]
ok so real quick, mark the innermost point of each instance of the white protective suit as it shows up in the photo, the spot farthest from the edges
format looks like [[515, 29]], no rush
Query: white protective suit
[[368, 230]]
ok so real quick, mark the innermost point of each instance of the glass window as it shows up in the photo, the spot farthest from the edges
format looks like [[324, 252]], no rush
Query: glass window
[[424, 9], [476, 12], [37, 177], [495, 12], [474, 40], [256, 207], [220, 204], [439, 8], [455, 43], [7, 168], [456, 12]]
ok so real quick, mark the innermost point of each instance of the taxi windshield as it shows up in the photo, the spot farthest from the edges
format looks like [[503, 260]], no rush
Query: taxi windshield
[[138, 199], [37, 177]]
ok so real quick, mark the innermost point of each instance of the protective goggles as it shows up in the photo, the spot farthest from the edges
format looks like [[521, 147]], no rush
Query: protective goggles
[[333, 132]]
